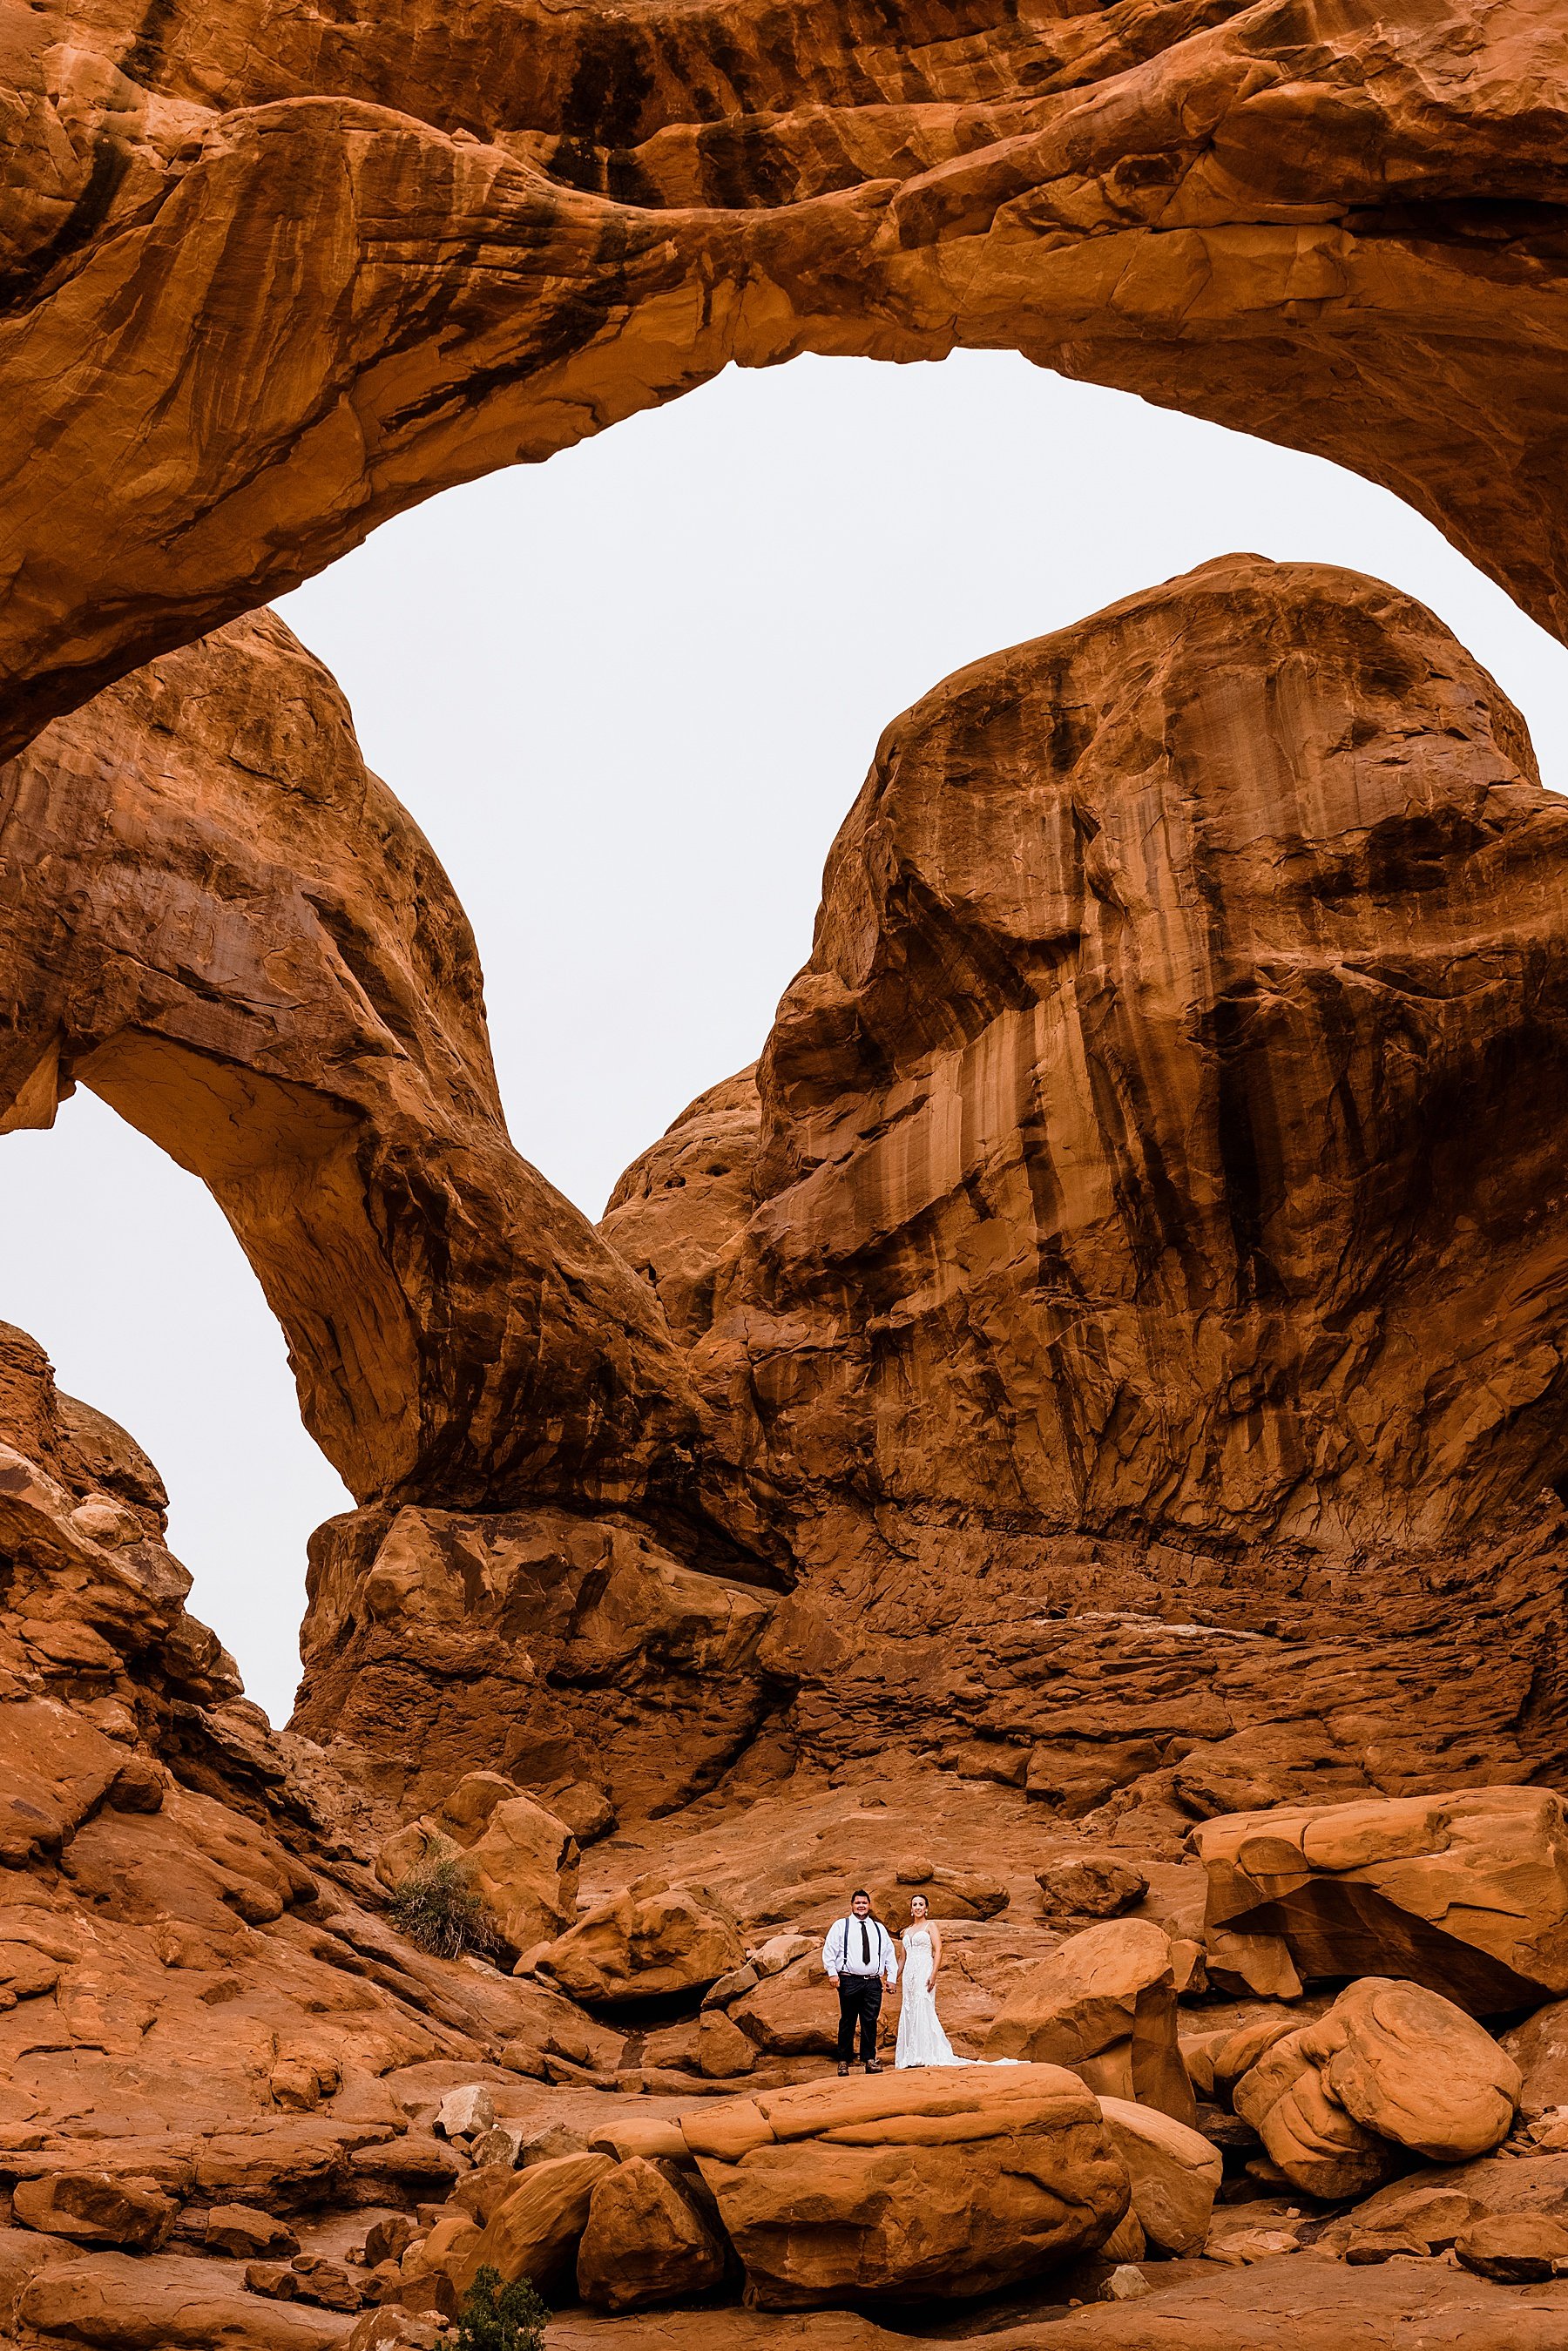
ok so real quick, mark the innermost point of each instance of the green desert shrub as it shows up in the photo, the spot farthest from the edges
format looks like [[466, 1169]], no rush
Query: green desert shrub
[[437, 1908], [496, 2317]]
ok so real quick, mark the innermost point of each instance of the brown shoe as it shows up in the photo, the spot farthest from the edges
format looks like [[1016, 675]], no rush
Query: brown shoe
[[842, 2070], [872, 2065]]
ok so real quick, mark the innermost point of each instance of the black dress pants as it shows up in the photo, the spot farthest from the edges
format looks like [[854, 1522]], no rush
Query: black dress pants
[[859, 2000]]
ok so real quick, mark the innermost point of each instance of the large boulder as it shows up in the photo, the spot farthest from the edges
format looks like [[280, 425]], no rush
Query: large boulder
[[793, 2013], [646, 2241], [908, 2185], [533, 2232], [120, 2301], [95, 2208], [950, 1893], [1390, 2065], [654, 1938], [1466, 1893], [521, 1861], [1539, 2047], [1175, 2172], [1105, 2004], [1435, 2207], [1090, 1884], [1515, 2248]]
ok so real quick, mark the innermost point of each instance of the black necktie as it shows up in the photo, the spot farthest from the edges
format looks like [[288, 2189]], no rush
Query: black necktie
[[865, 1944]]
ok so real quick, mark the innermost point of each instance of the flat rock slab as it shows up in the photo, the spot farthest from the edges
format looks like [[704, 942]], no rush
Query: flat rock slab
[[722, 2330], [167, 2304], [1301, 2303]]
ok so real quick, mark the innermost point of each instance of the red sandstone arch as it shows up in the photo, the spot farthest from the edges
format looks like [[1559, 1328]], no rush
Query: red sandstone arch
[[271, 276], [215, 916]]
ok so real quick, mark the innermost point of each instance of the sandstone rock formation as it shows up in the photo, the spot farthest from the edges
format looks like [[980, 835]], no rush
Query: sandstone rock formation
[[520, 1859], [1097, 1191], [1102, 1365], [654, 1940], [1091, 1886], [950, 1893], [1273, 2307], [1467, 1894], [239, 332], [1514, 2248], [215, 916], [539, 1641], [1093, 1084], [646, 2241], [1389, 2066], [1438, 2209], [1104, 2005], [1176, 2173], [535, 2229], [1072, 1326], [209, 2037], [911, 2185]]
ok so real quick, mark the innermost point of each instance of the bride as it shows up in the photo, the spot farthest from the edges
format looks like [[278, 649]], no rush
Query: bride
[[921, 2040]]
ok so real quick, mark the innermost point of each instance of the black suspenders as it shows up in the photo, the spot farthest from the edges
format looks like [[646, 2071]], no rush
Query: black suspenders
[[880, 1930]]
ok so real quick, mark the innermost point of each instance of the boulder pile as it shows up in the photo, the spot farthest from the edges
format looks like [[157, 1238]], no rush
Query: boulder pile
[[1389, 2066], [521, 1860], [322, 2136]]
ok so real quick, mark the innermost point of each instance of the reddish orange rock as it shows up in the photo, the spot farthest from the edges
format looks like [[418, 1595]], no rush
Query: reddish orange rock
[[1119, 1268], [250, 950], [236, 336]]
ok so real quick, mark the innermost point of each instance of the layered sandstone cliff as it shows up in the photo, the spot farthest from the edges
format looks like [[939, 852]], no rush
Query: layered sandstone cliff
[[1100, 1371], [1162, 1136], [1130, 1284]]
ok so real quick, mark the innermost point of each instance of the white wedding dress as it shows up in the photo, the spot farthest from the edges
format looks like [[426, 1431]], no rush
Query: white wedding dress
[[921, 2040]]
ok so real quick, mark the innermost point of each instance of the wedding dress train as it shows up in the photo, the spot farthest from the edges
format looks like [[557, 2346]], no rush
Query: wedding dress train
[[921, 2040]]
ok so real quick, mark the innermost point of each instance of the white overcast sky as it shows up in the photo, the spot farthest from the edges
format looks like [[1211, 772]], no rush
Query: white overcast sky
[[630, 695]]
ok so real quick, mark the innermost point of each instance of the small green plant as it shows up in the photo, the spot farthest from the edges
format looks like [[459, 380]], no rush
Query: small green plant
[[496, 2317], [437, 1909]]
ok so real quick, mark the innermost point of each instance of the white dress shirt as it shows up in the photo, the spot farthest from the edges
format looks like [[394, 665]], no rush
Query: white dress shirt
[[841, 1953]]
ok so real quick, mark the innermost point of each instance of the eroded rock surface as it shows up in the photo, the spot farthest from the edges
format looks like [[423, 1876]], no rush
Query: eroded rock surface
[[539, 1642], [1465, 1893], [1364, 881], [219, 920], [1156, 1367], [271, 278], [1105, 2006], [1389, 2066], [210, 2037], [917, 2184], [1100, 1372], [654, 1940], [518, 1858], [1152, 962]]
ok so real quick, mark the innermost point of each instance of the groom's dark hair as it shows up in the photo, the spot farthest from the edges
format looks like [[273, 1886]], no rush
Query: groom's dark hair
[[859, 1892]]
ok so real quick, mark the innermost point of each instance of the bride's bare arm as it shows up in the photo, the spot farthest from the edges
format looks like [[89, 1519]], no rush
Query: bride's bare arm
[[935, 1950]]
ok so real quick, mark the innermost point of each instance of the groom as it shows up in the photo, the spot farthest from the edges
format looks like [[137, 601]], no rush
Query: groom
[[858, 1957]]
